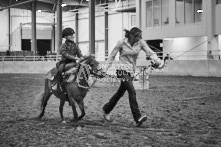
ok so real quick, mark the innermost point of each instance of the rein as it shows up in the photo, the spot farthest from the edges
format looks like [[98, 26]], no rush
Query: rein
[[153, 67], [93, 83]]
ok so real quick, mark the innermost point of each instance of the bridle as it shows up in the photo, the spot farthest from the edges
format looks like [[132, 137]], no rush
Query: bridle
[[92, 71]]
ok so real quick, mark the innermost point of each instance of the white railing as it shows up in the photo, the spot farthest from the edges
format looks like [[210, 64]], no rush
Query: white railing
[[31, 58], [178, 55]]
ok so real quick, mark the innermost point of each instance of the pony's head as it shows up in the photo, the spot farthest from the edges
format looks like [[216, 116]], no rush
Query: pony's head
[[93, 64]]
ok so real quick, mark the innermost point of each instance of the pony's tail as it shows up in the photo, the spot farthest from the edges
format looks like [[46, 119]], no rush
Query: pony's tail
[[40, 100]]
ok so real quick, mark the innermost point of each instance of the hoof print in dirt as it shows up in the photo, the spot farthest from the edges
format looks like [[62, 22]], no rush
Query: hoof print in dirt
[[100, 136]]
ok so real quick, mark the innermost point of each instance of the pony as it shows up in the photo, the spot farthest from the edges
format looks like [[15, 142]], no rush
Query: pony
[[75, 89]]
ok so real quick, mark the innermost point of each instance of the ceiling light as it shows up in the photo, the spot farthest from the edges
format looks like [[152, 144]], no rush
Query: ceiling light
[[199, 11], [38, 10], [63, 5]]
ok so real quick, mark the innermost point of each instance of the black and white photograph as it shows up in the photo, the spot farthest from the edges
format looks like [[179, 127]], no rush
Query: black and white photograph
[[110, 73]]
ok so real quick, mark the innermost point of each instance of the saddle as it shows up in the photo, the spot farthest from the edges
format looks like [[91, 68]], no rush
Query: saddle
[[70, 75], [67, 76], [80, 75]]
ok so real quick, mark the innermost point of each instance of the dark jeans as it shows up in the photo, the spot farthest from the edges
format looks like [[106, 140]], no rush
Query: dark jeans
[[126, 85]]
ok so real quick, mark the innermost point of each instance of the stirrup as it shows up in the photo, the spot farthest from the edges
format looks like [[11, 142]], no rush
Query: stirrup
[[54, 86], [52, 78]]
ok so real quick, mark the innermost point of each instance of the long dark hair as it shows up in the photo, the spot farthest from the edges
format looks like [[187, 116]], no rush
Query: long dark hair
[[133, 31]]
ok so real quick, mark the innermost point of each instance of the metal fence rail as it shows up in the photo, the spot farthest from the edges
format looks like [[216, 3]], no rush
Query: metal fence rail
[[31, 58], [178, 55]]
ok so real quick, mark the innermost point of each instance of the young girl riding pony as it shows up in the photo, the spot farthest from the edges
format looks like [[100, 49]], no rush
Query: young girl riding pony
[[70, 52]]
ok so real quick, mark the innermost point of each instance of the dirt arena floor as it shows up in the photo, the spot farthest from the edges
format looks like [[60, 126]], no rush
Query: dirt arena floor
[[182, 112]]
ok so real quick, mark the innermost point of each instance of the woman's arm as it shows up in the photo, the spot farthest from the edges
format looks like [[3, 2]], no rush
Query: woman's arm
[[113, 54]]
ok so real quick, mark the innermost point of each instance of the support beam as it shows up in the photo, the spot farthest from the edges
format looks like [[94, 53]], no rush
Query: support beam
[[53, 35], [212, 37], [106, 31], [59, 24], [76, 27], [33, 28], [92, 27], [9, 29]]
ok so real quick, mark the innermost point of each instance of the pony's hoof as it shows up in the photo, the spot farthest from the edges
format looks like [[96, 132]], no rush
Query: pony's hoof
[[37, 118], [63, 122], [74, 120]]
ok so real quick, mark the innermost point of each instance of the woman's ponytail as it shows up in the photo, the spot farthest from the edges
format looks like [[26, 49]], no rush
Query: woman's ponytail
[[134, 31], [127, 33]]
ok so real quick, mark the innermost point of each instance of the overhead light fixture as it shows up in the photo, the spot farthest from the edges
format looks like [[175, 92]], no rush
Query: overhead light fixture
[[199, 11], [87, 0], [39, 10], [63, 5]]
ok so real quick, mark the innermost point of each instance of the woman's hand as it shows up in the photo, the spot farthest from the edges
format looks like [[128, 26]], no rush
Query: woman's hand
[[157, 62]]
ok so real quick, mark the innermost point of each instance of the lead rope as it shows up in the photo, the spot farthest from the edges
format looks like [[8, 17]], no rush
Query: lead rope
[[93, 83]]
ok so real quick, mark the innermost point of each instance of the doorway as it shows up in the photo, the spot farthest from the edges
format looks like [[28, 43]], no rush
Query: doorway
[[26, 44], [43, 45]]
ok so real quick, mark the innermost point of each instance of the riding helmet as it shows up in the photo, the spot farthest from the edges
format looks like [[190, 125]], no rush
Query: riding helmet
[[67, 31]]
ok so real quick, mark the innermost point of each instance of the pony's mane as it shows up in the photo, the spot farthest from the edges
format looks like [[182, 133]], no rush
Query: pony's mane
[[87, 59]]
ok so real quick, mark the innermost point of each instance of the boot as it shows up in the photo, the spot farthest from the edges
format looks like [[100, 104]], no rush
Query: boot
[[60, 87]]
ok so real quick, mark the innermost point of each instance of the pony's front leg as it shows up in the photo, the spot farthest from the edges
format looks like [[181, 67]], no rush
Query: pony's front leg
[[74, 110], [81, 107], [61, 110]]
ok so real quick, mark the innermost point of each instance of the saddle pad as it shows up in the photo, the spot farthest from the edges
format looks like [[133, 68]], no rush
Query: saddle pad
[[71, 78], [51, 73]]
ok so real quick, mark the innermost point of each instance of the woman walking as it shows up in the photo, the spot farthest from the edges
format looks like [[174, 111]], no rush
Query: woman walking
[[129, 48]]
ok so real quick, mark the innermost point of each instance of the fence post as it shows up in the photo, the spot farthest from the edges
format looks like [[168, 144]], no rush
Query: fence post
[[144, 80]]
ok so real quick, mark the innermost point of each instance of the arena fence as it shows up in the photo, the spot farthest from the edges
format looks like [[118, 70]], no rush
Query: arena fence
[[41, 64]]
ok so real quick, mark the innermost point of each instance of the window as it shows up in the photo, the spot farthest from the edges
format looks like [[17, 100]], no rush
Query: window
[[149, 14], [133, 20], [157, 13], [188, 11], [179, 11], [165, 12]]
